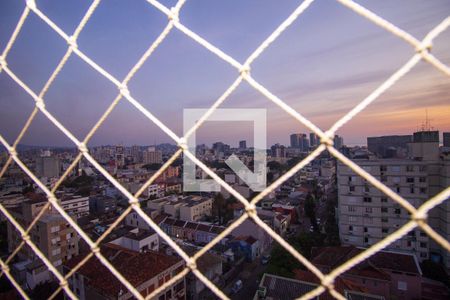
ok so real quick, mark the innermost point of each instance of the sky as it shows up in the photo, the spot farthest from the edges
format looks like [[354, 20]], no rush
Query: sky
[[323, 65]]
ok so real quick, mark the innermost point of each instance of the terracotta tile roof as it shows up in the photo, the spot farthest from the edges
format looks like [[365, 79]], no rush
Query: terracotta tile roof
[[217, 229], [340, 284], [191, 225], [169, 221], [280, 288], [159, 219], [203, 227], [136, 267], [375, 266], [179, 223]]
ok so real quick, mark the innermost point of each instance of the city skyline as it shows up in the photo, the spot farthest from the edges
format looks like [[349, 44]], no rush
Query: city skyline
[[326, 63]]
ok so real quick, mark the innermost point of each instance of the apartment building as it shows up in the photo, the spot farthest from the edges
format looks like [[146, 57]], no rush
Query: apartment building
[[52, 234], [146, 271], [366, 215], [152, 156], [74, 205], [185, 208], [48, 166]]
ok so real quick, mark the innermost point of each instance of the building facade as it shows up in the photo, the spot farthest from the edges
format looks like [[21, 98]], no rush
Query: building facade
[[366, 215]]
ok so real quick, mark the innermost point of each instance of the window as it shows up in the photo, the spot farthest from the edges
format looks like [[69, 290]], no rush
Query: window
[[422, 179], [397, 211], [384, 220], [367, 199], [54, 229], [422, 168], [383, 199], [369, 210], [365, 229], [395, 169], [383, 168], [367, 168], [351, 188], [57, 263], [366, 189], [396, 179], [383, 178], [366, 240], [397, 189], [384, 210], [410, 179], [409, 168], [384, 230], [411, 188], [423, 190], [423, 245], [352, 219], [351, 208], [402, 285], [350, 228]]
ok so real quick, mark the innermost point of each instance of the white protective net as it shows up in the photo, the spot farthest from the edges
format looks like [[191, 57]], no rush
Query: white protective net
[[418, 216]]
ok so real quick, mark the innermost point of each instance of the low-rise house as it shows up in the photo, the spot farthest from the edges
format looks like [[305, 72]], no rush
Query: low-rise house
[[198, 233], [210, 265], [146, 271], [386, 274], [246, 246], [250, 228], [139, 240]]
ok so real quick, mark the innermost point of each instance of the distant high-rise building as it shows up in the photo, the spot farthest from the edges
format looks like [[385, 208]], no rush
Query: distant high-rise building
[[243, 144], [388, 146], [120, 156], [338, 142], [299, 140], [278, 151], [48, 166], [314, 139], [295, 139], [152, 156], [136, 153], [446, 139], [220, 147]]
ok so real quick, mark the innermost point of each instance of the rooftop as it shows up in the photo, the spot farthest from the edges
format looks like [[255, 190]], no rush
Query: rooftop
[[375, 265], [281, 288], [136, 267]]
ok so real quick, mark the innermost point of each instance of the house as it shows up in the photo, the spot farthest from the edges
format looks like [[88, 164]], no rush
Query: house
[[139, 240], [386, 274], [246, 246], [210, 265], [146, 271], [250, 228]]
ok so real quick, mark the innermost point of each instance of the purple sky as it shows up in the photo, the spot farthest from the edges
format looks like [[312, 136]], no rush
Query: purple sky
[[325, 63]]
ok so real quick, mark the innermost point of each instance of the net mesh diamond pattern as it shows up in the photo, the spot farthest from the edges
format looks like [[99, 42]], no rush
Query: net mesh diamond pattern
[[418, 215]]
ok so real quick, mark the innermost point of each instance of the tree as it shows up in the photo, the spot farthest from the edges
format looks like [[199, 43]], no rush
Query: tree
[[153, 167], [219, 207], [435, 271], [310, 208]]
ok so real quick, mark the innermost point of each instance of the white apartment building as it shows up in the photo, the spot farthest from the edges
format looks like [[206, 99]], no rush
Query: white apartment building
[[185, 208], [75, 205], [366, 215], [152, 156]]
